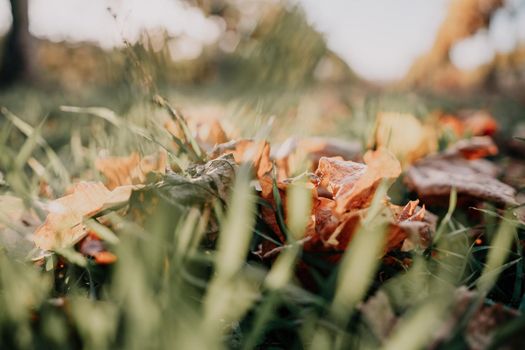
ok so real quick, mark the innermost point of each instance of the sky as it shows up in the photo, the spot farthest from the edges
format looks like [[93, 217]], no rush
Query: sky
[[379, 39]]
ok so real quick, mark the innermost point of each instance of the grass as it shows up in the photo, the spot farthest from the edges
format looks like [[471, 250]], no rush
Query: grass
[[173, 287]]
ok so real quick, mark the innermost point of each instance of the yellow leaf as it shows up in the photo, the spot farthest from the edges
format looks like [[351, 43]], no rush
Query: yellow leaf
[[405, 136]]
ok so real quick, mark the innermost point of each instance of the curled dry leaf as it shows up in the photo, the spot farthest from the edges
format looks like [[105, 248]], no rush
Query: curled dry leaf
[[412, 226], [341, 193], [257, 152], [295, 151], [63, 226], [474, 179], [120, 171], [201, 184], [380, 165]]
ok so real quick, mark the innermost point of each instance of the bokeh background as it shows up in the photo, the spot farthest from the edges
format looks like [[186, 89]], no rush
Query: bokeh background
[[324, 59]]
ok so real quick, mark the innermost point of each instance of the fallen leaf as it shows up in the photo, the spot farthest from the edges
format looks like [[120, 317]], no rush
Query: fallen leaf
[[434, 177], [208, 133], [486, 319], [405, 136], [92, 246], [473, 148], [412, 227], [342, 191], [292, 153], [380, 165], [478, 122], [201, 183], [120, 171], [63, 226], [469, 123], [257, 152], [338, 176], [16, 226], [105, 258], [379, 315]]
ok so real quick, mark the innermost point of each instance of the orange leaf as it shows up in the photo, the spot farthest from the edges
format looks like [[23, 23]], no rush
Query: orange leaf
[[474, 148], [356, 188], [105, 258], [130, 170], [63, 226], [258, 152], [294, 152]]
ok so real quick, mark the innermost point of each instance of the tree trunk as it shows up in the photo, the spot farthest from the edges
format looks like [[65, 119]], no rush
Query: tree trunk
[[17, 60], [464, 18]]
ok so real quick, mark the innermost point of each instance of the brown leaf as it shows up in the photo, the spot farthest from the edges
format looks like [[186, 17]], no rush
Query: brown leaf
[[481, 326], [208, 133], [120, 171], [257, 152], [294, 152], [478, 122], [63, 226], [412, 226], [469, 123], [433, 179], [92, 246], [473, 148], [342, 192], [339, 176], [379, 315], [380, 165]]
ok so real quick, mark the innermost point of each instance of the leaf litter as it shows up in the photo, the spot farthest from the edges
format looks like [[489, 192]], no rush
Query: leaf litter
[[340, 179]]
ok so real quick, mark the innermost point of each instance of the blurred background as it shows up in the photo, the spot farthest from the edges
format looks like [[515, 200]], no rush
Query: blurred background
[[294, 58]]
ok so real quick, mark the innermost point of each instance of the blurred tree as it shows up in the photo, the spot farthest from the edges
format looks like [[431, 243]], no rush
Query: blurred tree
[[464, 18], [17, 60]]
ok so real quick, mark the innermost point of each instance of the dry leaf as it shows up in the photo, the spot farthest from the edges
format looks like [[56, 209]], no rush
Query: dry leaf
[[433, 179], [412, 227], [482, 325], [207, 130], [92, 246], [473, 148], [469, 122], [257, 152], [16, 226], [338, 176], [208, 133], [349, 186], [405, 136], [478, 122], [120, 171], [380, 165], [63, 226], [292, 154], [379, 315]]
